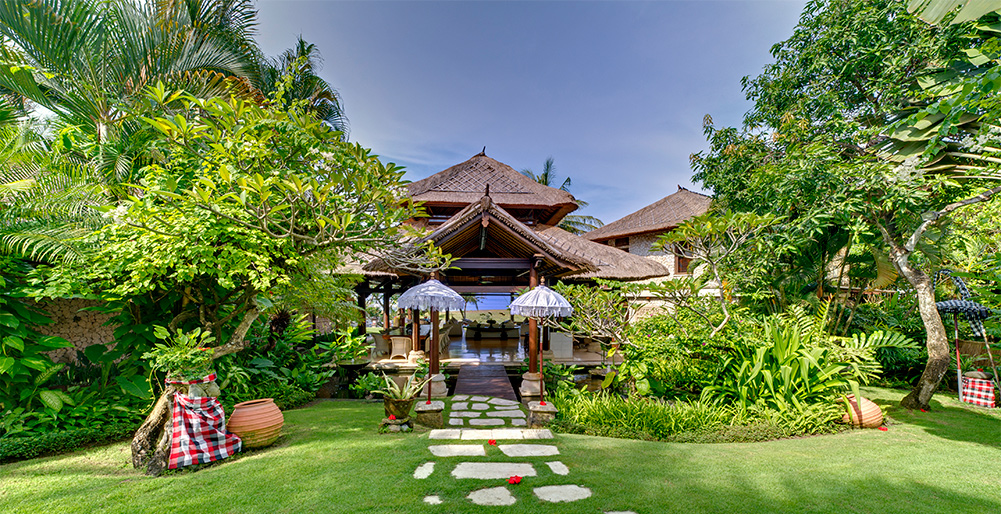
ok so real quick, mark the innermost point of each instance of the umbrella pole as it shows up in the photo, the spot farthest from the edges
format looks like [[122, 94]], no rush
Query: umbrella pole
[[959, 369], [542, 377], [990, 356]]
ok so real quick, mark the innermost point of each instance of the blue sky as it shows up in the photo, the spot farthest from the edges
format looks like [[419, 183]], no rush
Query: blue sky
[[614, 91]]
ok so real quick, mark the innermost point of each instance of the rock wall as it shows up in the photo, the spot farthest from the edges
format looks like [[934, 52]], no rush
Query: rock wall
[[82, 328]]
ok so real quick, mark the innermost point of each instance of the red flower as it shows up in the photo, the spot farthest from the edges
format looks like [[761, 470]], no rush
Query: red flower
[[514, 480], [884, 429], [542, 403], [922, 410], [980, 370], [429, 402], [392, 417], [492, 442]]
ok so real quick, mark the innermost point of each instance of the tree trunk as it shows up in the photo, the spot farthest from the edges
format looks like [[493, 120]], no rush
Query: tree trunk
[[937, 339], [151, 443]]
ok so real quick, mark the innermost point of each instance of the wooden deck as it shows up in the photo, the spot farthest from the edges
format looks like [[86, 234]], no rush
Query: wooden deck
[[484, 380]]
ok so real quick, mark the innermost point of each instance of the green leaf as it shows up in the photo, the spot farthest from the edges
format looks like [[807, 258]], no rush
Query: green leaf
[[137, 386], [6, 363], [14, 342], [9, 320], [51, 400]]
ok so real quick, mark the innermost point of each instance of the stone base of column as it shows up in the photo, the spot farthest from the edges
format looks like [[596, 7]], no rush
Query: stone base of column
[[531, 385], [429, 414], [437, 385], [414, 356]]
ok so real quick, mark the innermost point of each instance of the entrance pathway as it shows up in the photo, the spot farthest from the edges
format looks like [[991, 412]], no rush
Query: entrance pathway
[[484, 380], [527, 453]]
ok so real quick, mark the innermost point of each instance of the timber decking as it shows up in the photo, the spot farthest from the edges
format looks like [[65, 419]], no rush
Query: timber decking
[[484, 380]]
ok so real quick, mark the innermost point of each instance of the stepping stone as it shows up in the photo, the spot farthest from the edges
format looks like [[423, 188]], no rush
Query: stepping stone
[[446, 433], [528, 450], [460, 406], [508, 433], [543, 433], [456, 422], [515, 422], [506, 414], [432, 500], [464, 414], [485, 422], [506, 407], [460, 398], [562, 493], [424, 470], [470, 433], [479, 398], [480, 406], [493, 470], [492, 496], [559, 468], [458, 450], [503, 401]]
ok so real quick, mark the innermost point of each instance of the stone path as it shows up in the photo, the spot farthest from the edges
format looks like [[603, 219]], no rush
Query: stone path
[[478, 427]]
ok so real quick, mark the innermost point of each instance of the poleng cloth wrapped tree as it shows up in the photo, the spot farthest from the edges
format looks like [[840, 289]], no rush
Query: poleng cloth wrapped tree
[[199, 435]]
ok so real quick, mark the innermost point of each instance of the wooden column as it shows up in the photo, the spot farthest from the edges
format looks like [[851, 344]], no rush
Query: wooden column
[[533, 327], [386, 295], [362, 293], [415, 324]]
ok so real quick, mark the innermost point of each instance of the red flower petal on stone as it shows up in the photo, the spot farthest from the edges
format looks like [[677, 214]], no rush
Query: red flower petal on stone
[[542, 403], [884, 429], [492, 442], [429, 402], [392, 417]]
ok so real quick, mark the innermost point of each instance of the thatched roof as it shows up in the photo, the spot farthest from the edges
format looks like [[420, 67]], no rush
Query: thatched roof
[[466, 183], [612, 263], [662, 215]]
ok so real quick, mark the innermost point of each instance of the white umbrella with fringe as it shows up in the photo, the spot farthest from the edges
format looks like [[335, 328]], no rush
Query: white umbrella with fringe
[[541, 302]]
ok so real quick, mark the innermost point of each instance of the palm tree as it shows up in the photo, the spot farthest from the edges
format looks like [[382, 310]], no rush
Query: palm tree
[[90, 61], [301, 63], [573, 223]]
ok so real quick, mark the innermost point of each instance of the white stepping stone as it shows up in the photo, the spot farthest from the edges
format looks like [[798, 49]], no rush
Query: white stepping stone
[[471, 434], [458, 450], [508, 433], [562, 493], [456, 422], [558, 467], [486, 422], [445, 433], [492, 496], [479, 398], [503, 401], [515, 422], [464, 414], [492, 470], [506, 414], [460, 398], [424, 470], [460, 406], [528, 450], [543, 433], [432, 500], [506, 407], [480, 406]]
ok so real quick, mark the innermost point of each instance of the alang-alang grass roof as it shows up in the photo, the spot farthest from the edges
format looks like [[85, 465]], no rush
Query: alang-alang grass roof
[[466, 182], [662, 215]]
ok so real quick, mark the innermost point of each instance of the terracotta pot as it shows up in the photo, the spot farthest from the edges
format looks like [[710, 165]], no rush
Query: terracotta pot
[[398, 408], [257, 422], [872, 416]]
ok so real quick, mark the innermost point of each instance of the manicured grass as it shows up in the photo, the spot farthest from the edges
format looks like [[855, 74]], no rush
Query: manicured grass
[[331, 460]]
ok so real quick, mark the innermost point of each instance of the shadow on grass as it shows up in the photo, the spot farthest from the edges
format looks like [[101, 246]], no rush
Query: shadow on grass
[[952, 420]]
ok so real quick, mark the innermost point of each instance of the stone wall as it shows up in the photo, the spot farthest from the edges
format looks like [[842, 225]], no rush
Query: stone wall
[[82, 328]]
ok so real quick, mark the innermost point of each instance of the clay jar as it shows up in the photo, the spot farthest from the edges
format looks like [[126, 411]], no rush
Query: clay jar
[[872, 416], [257, 422], [398, 408]]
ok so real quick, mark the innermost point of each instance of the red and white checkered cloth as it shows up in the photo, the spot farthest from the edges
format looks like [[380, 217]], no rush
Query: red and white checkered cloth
[[200, 434], [979, 392]]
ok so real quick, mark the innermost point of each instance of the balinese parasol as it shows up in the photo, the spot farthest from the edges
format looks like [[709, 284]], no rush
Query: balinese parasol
[[431, 296], [541, 302]]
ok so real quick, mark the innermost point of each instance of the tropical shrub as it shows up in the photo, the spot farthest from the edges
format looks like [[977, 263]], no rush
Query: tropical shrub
[[19, 448], [366, 385]]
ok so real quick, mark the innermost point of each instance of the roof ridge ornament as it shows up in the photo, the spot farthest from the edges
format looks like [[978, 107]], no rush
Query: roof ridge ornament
[[483, 153]]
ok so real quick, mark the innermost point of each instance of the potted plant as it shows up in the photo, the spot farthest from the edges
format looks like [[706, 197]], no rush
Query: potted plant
[[397, 401]]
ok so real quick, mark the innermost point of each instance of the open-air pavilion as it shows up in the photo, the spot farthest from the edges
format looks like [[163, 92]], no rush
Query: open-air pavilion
[[501, 229]]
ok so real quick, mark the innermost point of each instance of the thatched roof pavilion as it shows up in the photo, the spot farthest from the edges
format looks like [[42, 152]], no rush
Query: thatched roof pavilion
[[658, 217]]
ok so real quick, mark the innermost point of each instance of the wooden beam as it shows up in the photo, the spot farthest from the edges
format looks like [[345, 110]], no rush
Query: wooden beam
[[487, 289], [492, 263]]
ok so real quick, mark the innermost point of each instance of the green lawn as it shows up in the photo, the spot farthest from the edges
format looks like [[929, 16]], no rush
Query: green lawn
[[331, 460]]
